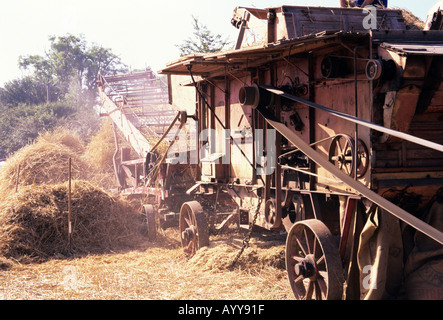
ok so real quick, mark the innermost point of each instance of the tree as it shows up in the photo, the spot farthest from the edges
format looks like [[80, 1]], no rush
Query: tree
[[204, 41], [70, 57], [25, 90], [22, 124], [61, 90]]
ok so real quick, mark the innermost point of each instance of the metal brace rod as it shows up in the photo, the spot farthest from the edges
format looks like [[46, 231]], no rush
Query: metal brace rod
[[355, 120], [356, 185]]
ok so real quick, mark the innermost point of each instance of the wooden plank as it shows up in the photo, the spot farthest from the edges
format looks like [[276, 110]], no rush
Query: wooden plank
[[306, 20]]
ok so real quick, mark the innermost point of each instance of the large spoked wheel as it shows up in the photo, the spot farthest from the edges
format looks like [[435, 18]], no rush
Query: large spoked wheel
[[194, 231], [148, 213], [313, 262]]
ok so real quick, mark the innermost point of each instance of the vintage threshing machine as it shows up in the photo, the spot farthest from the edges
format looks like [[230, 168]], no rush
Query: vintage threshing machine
[[316, 126], [332, 132]]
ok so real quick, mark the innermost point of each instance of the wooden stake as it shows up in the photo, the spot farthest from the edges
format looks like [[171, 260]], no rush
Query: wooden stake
[[69, 204]]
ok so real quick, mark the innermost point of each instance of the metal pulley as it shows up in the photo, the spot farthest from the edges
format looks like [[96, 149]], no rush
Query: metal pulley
[[342, 155], [272, 215], [255, 96], [377, 68], [333, 67]]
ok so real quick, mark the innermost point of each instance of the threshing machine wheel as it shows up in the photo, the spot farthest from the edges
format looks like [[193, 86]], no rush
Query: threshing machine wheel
[[313, 262], [342, 155], [148, 212], [194, 230]]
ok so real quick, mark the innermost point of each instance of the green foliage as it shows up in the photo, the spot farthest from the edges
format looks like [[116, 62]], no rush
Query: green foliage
[[61, 90], [70, 57], [25, 90], [204, 41], [21, 125]]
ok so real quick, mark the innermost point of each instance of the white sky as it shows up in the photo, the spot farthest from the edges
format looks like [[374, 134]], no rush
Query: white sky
[[142, 32]]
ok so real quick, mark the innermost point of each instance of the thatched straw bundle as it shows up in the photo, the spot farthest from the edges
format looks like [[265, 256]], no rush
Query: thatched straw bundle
[[34, 222]]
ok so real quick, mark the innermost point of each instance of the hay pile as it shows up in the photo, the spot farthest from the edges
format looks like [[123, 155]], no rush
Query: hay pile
[[99, 153], [33, 219], [220, 257], [412, 22], [34, 222], [43, 162]]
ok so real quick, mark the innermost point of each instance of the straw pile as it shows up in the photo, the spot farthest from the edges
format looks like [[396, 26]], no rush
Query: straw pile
[[412, 22], [44, 161], [99, 153], [33, 199], [34, 222], [219, 257]]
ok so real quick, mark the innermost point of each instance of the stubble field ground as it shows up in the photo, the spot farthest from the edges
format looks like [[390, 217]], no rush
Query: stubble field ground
[[156, 270]]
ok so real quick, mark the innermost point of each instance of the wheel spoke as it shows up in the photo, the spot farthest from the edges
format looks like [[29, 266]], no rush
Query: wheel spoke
[[318, 291], [298, 279], [310, 291], [314, 246], [301, 246], [307, 241], [297, 258], [189, 246], [322, 285], [340, 151], [187, 221], [346, 168], [346, 146], [320, 260]]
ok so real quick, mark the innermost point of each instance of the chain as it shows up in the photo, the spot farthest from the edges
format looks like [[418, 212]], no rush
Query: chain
[[248, 235]]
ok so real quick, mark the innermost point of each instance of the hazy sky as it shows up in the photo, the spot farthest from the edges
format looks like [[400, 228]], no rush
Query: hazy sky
[[142, 33]]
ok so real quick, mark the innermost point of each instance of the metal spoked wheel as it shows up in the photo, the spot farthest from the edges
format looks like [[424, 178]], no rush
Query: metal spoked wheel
[[148, 212], [341, 153], [194, 231], [313, 262]]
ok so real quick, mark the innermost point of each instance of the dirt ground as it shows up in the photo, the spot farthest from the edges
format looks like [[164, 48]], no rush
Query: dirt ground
[[157, 270]]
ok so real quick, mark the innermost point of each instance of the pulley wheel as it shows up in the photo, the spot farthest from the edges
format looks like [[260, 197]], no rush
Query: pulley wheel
[[194, 231], [362, 158], [272, 217], [374, 69], [148, 213], [341, 153], [313, 263], [295, 212]]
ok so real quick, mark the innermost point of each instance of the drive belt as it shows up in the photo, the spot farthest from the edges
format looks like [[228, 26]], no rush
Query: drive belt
[[356, 185]]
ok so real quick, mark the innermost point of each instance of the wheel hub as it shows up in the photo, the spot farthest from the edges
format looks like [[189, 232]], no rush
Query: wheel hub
[[306, 268], [188, 233]]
